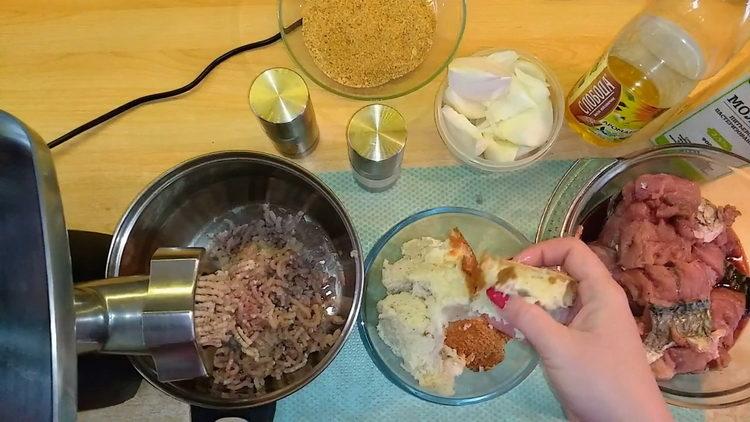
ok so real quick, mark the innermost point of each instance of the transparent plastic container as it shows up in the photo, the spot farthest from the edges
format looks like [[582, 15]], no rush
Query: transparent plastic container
[[653, 64], [557, 96]]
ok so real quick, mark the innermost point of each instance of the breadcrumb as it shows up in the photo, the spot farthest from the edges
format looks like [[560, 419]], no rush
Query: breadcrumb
[[477, 342], [366, 43]]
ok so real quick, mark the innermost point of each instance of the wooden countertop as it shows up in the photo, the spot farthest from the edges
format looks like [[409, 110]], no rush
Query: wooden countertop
[[63, 63]]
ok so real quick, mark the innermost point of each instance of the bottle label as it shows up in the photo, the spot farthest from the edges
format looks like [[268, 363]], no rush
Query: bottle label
[[612, 112], [723, 123]]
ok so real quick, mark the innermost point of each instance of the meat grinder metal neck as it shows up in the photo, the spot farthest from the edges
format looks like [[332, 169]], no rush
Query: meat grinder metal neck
[[145, 315]]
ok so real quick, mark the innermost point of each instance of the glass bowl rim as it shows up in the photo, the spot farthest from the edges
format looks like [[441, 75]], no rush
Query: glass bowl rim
[[365, 336], [373, 97]]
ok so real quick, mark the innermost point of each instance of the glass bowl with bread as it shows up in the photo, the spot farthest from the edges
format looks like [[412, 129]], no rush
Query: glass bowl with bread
[[426, 320]]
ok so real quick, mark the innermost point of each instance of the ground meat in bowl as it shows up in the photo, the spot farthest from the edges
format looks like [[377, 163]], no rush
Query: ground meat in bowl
[[267, 307]]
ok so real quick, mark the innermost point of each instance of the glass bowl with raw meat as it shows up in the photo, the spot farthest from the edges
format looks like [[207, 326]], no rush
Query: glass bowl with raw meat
[[670, 224]]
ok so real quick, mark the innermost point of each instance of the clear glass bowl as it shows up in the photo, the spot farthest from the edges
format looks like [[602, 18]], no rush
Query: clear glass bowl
[[558, 116], [485, 233], [724, 179], [451, 20]]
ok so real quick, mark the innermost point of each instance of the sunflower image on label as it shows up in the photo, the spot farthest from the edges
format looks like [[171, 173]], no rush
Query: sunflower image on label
[[609, 110]]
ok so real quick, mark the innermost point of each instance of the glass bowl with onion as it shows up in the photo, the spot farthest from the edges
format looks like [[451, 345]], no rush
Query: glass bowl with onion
[[382, 49], [506, 120]]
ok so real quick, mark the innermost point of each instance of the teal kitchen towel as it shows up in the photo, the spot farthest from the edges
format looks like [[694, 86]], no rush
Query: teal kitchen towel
[[352, 388]]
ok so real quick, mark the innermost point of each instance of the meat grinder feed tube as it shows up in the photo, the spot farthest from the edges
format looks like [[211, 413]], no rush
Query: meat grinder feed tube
[[145, 315]]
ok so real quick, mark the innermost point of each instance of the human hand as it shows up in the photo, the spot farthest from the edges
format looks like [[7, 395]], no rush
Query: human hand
[[596, 364]]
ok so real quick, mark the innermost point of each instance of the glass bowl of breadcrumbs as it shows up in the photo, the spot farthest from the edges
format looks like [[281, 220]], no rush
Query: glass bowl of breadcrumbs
[[372, 49]]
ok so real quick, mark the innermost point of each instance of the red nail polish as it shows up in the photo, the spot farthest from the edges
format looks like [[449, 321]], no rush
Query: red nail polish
[[497, 297]]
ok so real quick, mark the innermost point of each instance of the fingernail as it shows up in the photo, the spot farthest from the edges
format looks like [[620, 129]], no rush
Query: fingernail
[[497, 297], [522, 259]]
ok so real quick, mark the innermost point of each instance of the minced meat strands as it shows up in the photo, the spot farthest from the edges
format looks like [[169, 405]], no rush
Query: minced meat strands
[[265, 310]]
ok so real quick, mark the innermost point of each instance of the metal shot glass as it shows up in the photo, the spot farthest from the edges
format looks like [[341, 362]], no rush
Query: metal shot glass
[[376, 137], [280, 100]]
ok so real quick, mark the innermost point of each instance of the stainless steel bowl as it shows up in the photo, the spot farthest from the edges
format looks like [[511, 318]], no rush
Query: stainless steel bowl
[[198, 198], [582, 198]]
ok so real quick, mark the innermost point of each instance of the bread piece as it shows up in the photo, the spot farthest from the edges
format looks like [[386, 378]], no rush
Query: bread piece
[[469, 265], [552, 290]]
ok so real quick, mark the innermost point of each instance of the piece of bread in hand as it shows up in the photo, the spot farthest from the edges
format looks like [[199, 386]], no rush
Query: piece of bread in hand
[[552, 290], [469, 265]]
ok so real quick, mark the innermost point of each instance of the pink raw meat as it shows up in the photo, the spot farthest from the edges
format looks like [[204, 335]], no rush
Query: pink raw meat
[[668, 195], [727, 309], [687, 360], [685, 227], [645, 243], [655, 246], [607, 255], [610, 234], [695, 280], [639, 244], [712, 256], [728, 214], [663, 368], [729, 243], [638, 287], [665, 285]]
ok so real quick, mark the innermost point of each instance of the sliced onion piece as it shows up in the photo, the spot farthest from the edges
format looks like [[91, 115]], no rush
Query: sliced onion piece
[[478, 79], [531, 69], [470, 109], [514, 102], [537, 89], [530, 128], [468, 137], [505, 58], [501, 151]]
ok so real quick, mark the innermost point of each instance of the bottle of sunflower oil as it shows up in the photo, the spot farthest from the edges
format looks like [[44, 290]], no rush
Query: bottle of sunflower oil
[[653, 64]]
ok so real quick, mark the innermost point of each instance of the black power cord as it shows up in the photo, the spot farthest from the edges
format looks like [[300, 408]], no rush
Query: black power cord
[[172, 93]]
